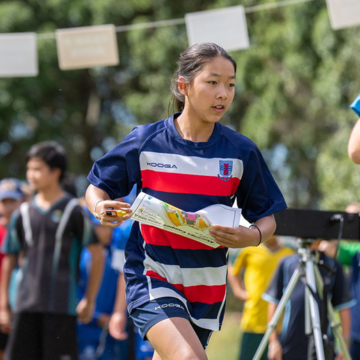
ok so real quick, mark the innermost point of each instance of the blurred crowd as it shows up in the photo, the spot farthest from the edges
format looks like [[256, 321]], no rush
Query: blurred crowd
[[62, 289]]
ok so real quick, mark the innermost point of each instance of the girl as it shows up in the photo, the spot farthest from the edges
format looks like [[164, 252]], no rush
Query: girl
[[176, 287]]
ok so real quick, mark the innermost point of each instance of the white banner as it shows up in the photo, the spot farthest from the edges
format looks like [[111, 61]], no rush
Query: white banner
[[225, 27], [344, 13], [87, 47], [18, 55]]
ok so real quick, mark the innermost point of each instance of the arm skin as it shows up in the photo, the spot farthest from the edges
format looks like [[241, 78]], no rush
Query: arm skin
[[118, 320], [7, 267], [345, 319], [95, 196], [237, 284], [354, 143], [275, 349], [86, 306], [242, 236]]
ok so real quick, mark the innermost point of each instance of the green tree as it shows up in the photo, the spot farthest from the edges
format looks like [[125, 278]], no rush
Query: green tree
[[294, 87]]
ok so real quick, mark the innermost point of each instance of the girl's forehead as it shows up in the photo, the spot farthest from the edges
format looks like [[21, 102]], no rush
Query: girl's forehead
[[218, 66]]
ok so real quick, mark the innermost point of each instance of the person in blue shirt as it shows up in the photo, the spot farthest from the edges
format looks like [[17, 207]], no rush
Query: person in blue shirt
[[348, 253], [95, 342], [354, 139], [292, 343]]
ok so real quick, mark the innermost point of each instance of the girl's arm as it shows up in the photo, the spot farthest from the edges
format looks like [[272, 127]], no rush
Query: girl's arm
[[354, 143], [98, 201], [242, 236]]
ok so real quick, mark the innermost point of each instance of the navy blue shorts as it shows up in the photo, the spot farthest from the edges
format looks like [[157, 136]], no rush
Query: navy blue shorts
[[154, 311]]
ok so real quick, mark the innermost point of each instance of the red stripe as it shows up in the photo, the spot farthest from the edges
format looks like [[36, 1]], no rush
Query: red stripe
[[189, 184], [156, 236], [199, 293]]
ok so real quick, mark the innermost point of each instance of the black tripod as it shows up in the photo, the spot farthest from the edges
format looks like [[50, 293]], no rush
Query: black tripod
[[308, 265], [312, 224]]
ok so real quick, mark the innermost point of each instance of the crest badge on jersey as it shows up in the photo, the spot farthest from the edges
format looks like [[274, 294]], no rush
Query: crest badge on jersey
[[56, 216], [225, 168]]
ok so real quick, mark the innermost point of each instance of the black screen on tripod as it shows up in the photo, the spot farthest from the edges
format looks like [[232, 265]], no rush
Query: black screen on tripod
[[315, 224]]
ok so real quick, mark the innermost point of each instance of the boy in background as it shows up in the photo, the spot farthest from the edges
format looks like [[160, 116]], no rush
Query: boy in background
[[49, 232]]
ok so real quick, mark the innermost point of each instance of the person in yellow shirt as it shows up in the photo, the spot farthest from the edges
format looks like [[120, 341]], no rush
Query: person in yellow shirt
[[249, 278]]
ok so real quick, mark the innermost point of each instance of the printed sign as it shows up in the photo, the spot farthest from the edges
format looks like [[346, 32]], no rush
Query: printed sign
[[18, 56], [344, 13], [225, 27], [87, 47]]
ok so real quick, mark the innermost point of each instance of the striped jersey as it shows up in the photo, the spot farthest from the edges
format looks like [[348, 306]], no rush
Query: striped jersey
[[188, 175]]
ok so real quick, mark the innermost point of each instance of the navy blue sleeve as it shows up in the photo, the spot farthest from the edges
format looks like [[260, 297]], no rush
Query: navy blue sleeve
[[119, 170], [258, 194], [275, 291]]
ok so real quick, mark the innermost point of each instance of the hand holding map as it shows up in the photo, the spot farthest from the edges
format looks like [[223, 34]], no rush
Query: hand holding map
[[194, 225]]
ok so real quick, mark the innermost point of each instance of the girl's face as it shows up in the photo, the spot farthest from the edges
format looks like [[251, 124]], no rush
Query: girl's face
[[39, 174], [211, 92]]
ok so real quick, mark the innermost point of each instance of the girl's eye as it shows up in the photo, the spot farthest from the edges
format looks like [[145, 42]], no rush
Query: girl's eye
[[212, 82], [231, 85]]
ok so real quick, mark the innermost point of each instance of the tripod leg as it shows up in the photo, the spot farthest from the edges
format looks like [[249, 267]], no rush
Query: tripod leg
[[272, 324], [314, 310], [334, 323]]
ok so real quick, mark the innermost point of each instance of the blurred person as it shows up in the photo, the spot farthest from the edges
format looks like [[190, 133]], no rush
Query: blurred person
[[12, 194], [175, 286], [293, 343], [354, 140], [249, 278], [49, 232], [349, 255], [94, 338]]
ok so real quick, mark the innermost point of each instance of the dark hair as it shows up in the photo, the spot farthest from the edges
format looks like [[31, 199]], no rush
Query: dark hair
[[52, 153], [190, 62]]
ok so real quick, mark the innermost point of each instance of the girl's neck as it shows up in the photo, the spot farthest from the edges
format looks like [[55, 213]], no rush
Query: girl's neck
[[45, 198], [192, 130]]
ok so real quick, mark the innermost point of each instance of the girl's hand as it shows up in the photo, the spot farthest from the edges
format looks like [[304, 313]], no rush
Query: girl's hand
[[105, 206], [238, 237]]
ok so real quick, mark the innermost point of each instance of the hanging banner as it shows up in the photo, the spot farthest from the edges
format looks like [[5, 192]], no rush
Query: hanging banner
[[87, 47], [18, 55], [344, 13], [225, 27]]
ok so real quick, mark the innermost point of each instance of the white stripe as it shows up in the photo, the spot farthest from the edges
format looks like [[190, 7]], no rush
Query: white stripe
[[64, 219], [174, 274], [24, 210], [192, 165]]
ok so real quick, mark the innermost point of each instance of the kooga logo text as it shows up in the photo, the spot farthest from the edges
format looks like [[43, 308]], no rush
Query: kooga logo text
[[161, 165]]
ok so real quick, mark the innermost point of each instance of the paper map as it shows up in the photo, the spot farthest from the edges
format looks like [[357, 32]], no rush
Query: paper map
[[193, 225]]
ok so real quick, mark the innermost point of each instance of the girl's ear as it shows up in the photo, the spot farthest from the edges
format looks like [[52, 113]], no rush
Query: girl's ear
[[182, 86]]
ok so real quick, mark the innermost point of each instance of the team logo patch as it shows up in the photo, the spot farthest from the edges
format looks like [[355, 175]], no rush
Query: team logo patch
[[56, 216], [225, 170]]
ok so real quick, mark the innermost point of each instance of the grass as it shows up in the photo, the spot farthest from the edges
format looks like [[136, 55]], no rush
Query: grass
[[225, 344]]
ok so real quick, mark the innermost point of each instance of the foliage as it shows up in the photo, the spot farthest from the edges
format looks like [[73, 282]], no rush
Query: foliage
[[294, 86]]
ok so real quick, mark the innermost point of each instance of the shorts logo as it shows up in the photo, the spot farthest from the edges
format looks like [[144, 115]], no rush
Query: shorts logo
[[163, 306], [225, 170]]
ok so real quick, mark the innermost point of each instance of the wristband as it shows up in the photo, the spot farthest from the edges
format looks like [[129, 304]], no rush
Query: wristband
[[356, 105], [260, 235], [95, 213], [273, 344]]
